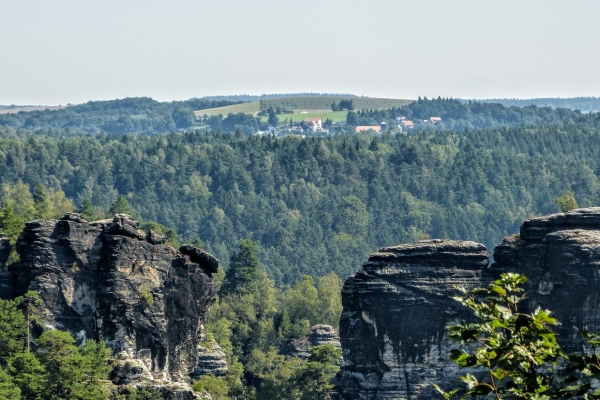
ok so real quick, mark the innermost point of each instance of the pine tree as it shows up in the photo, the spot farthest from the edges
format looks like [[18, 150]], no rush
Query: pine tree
[[41, 202], [10, 224], [243, 269], [87, 209], [120, 206]]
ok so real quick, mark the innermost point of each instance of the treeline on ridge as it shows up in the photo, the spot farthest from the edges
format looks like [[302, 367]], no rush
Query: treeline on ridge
[[317, 205], [130, 115]]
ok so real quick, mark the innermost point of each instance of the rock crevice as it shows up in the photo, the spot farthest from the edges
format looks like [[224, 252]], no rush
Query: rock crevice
[[106, 280]]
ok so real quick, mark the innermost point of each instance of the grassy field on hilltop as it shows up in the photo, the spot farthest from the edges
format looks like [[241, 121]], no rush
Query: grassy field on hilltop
[[316, 106], [336, 116], [246, 108], [324, 103]]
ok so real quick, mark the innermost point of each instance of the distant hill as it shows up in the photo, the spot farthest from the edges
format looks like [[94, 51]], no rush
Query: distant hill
[[249, 97], [324, 102], [585, 104], [246, 108], [13, 109], [129, 115]]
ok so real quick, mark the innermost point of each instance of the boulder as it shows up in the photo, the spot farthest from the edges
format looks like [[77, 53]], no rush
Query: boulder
[[153, 238], [204, 259]]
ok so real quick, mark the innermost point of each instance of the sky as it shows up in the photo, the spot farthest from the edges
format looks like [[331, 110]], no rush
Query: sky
[[72, 51]]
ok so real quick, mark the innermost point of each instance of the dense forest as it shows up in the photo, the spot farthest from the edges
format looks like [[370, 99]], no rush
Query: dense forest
[[317, 205], [574, 103], [290, 218], [130, 115], [459, 115]]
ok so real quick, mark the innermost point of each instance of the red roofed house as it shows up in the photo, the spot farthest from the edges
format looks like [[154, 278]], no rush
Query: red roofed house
[[314, 124], [362, 128], [435, 119], [407, 123]]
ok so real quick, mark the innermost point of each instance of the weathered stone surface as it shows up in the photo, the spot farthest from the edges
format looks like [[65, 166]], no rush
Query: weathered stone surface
[[205, 260], [319, 334], [560, 255], [392, 328], [211, 360], [6, 285], [153, 238], [124, 225], [582, 218], [395, 310], [104, 281]]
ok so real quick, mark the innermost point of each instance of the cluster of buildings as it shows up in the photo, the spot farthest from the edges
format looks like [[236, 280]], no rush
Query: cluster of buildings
[[315, 125], [402, 123]]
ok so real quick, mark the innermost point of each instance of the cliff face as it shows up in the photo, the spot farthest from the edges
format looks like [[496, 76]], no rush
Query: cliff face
[[392, 329], [105, 281], [395, 310], [560, 254]]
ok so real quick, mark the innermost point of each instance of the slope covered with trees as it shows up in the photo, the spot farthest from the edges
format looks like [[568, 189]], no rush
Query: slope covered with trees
[[320, 204], [130, 115], [459, 115]]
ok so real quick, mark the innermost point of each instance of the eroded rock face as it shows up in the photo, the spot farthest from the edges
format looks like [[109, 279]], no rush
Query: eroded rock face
[[211, 360], [318, 335], [395, 310], [560, 255], [105, 281], [392, 328]]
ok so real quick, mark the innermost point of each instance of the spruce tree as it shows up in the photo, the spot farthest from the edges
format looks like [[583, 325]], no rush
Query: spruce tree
[[120, 206], [243, 269]]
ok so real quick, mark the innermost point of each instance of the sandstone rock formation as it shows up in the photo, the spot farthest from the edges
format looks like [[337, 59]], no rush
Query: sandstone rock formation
[[211, 360], [395, 310], [105, 281], [319, 334], [392, 328], [560, 255]]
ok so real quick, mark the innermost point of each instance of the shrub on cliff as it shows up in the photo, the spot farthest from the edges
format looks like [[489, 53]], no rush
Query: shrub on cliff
[[518, 352]]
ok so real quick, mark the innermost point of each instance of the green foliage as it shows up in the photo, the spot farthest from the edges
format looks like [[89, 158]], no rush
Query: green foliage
[[566, 202], [142, 393], [183, 117], [58, 369], [518, 351], [8, 389], [146, 294], [10, 224], [315, 376], [287, 194], [120, 206], [73, 372], [13, 329], [243, 269], [87, 210], [324, 102], [130, 115], [213, 385], [29, 375]]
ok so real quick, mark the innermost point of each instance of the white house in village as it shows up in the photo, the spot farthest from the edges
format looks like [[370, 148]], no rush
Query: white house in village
[[314, 124]]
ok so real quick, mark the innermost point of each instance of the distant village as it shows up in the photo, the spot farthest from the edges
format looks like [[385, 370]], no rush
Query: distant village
[[315, 126]]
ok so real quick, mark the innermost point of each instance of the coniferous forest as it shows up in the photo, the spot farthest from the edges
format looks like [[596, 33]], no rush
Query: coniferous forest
[[289, 217], [320, 204]]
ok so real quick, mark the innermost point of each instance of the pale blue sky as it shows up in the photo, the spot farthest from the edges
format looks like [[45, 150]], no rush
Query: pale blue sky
[[61, 51]]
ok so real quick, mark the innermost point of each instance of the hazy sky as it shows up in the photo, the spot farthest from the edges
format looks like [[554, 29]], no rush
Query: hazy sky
[[61, 51]]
